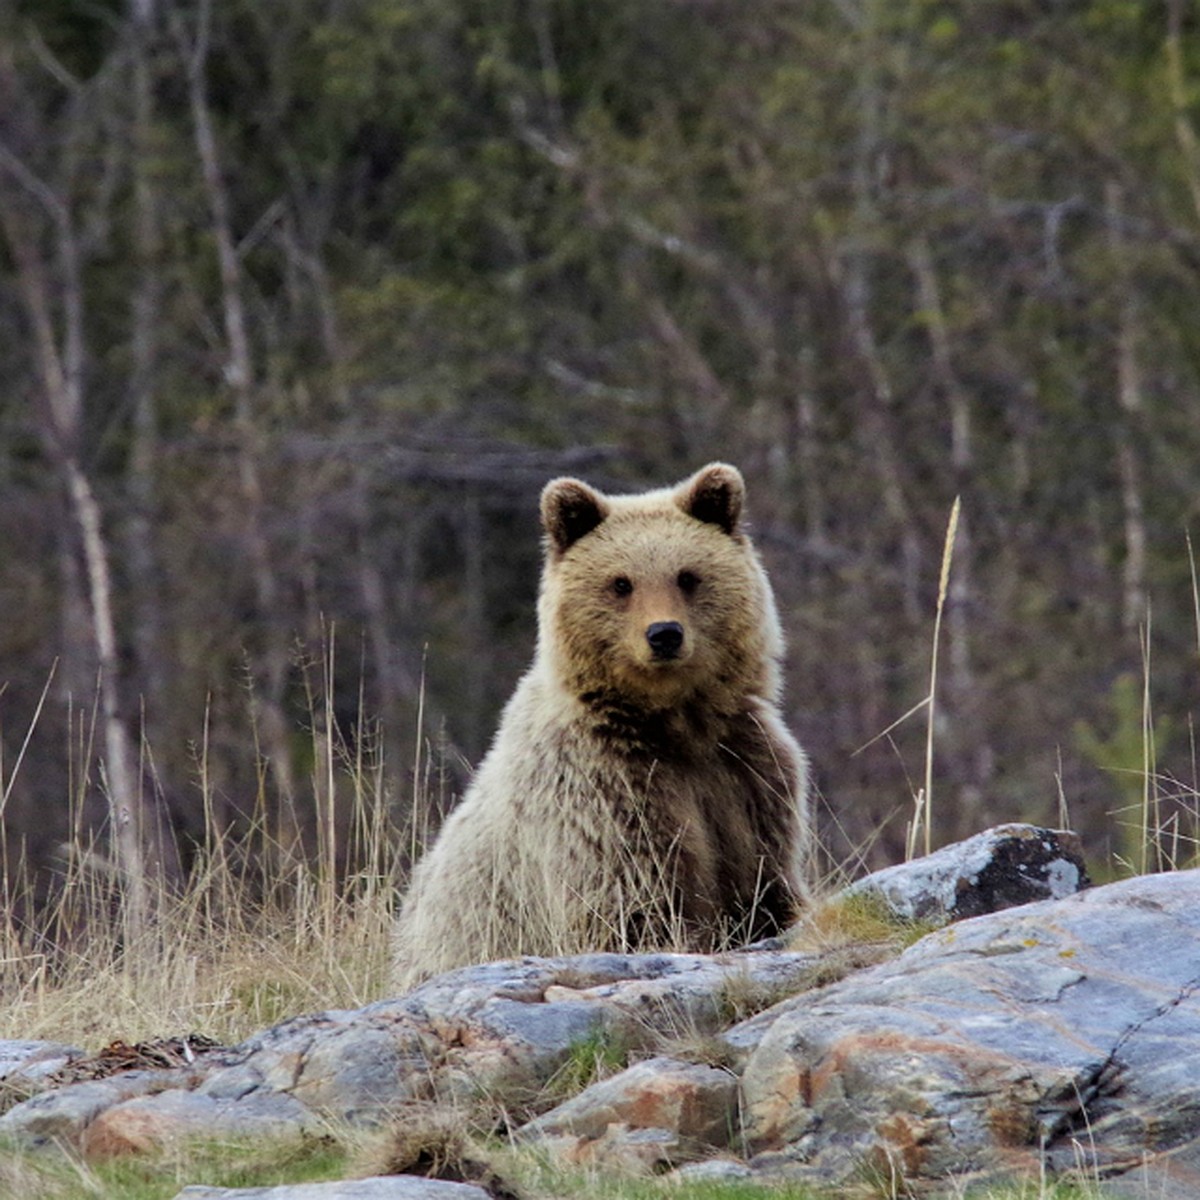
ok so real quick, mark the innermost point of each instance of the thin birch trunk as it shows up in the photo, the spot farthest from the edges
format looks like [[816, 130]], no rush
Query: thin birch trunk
[[474, 576], [850, 269], [60, 364], [1129, 400], [929, 299], [122, 777], [239, 375], [141, 545]]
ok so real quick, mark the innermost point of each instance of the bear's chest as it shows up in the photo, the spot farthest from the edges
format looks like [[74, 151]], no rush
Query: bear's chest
[[692, 784]]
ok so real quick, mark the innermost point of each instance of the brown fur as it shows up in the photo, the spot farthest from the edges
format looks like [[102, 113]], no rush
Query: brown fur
[[631, 799]]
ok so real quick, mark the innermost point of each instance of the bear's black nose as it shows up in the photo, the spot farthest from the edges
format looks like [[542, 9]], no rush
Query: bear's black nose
[[665, 638]]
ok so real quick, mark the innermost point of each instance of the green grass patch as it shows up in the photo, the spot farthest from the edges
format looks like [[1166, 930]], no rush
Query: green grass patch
[[597, 1056], [546, 1183], [58, 1175], [53, 1174]]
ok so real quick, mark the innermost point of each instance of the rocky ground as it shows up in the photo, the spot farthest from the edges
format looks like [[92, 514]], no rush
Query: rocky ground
[[1041, 1029]]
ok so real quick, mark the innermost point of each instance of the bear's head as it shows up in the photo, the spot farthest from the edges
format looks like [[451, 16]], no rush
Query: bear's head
[[657, 599]]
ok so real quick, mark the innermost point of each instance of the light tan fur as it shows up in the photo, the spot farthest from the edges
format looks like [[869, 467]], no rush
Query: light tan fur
[[633, 798]]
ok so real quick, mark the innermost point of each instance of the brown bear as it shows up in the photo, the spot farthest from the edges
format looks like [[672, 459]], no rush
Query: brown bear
[[642, 791]]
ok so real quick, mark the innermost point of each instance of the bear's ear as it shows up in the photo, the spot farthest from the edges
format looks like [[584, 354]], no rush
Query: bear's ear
[[569, 510], [714, 495]]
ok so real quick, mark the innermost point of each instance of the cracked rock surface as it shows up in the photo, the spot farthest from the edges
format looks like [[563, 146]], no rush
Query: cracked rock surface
[[1055, 1036], [1063, 1033]]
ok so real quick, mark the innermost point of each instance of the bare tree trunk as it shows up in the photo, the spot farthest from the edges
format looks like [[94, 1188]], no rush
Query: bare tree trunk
[[123, 786], [848, 272], [807, 452], [959, 596], [707, 399], [850, 269], [140, 545], [390, 681], [239, 375], [60, 420], [1129, 399]]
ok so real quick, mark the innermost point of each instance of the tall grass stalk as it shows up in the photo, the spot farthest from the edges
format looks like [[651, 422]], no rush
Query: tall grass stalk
[[417, 840], [1195, 588], [325, 783], [1150, 815], [6, 785], [1195, 785], [923, 816]]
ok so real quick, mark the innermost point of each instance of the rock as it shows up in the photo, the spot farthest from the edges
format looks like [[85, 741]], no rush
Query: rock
[[1037, 1040], [61, 1115], [1062, 1034], [501, 1030], [633, 991], [381, 1187], [620, 1150], [994, 870], [1161, 1178], [619, 1121], [343, 1064], [718, 1170], [149, 1122], [353, 1074], [33, 1061]]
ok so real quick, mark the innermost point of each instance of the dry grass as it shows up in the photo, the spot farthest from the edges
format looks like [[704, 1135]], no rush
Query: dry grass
[[922, 822], [860, 923], [256, 932], [221, 973]]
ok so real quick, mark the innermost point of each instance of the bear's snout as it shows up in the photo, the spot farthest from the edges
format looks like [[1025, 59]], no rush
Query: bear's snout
[[665, 638]]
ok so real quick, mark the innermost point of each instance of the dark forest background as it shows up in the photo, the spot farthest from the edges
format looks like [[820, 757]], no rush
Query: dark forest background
[[302, 301]]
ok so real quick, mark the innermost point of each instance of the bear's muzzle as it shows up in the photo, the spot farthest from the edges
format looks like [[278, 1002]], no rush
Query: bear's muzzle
[[665, 639]]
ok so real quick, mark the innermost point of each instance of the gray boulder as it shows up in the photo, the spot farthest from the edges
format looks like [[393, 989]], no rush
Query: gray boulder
[[381, 1187], [659, 1112], [997, 869], [1048, 1038], [32, 1061], [63, 1114], [147, 1122], [1058, 1036]]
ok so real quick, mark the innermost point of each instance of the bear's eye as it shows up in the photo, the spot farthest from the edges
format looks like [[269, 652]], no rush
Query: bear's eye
[[622, 585], [688, 582]]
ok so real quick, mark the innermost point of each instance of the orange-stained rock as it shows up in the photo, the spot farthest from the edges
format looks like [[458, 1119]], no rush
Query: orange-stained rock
[[151, 1122], [697, 1102]]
